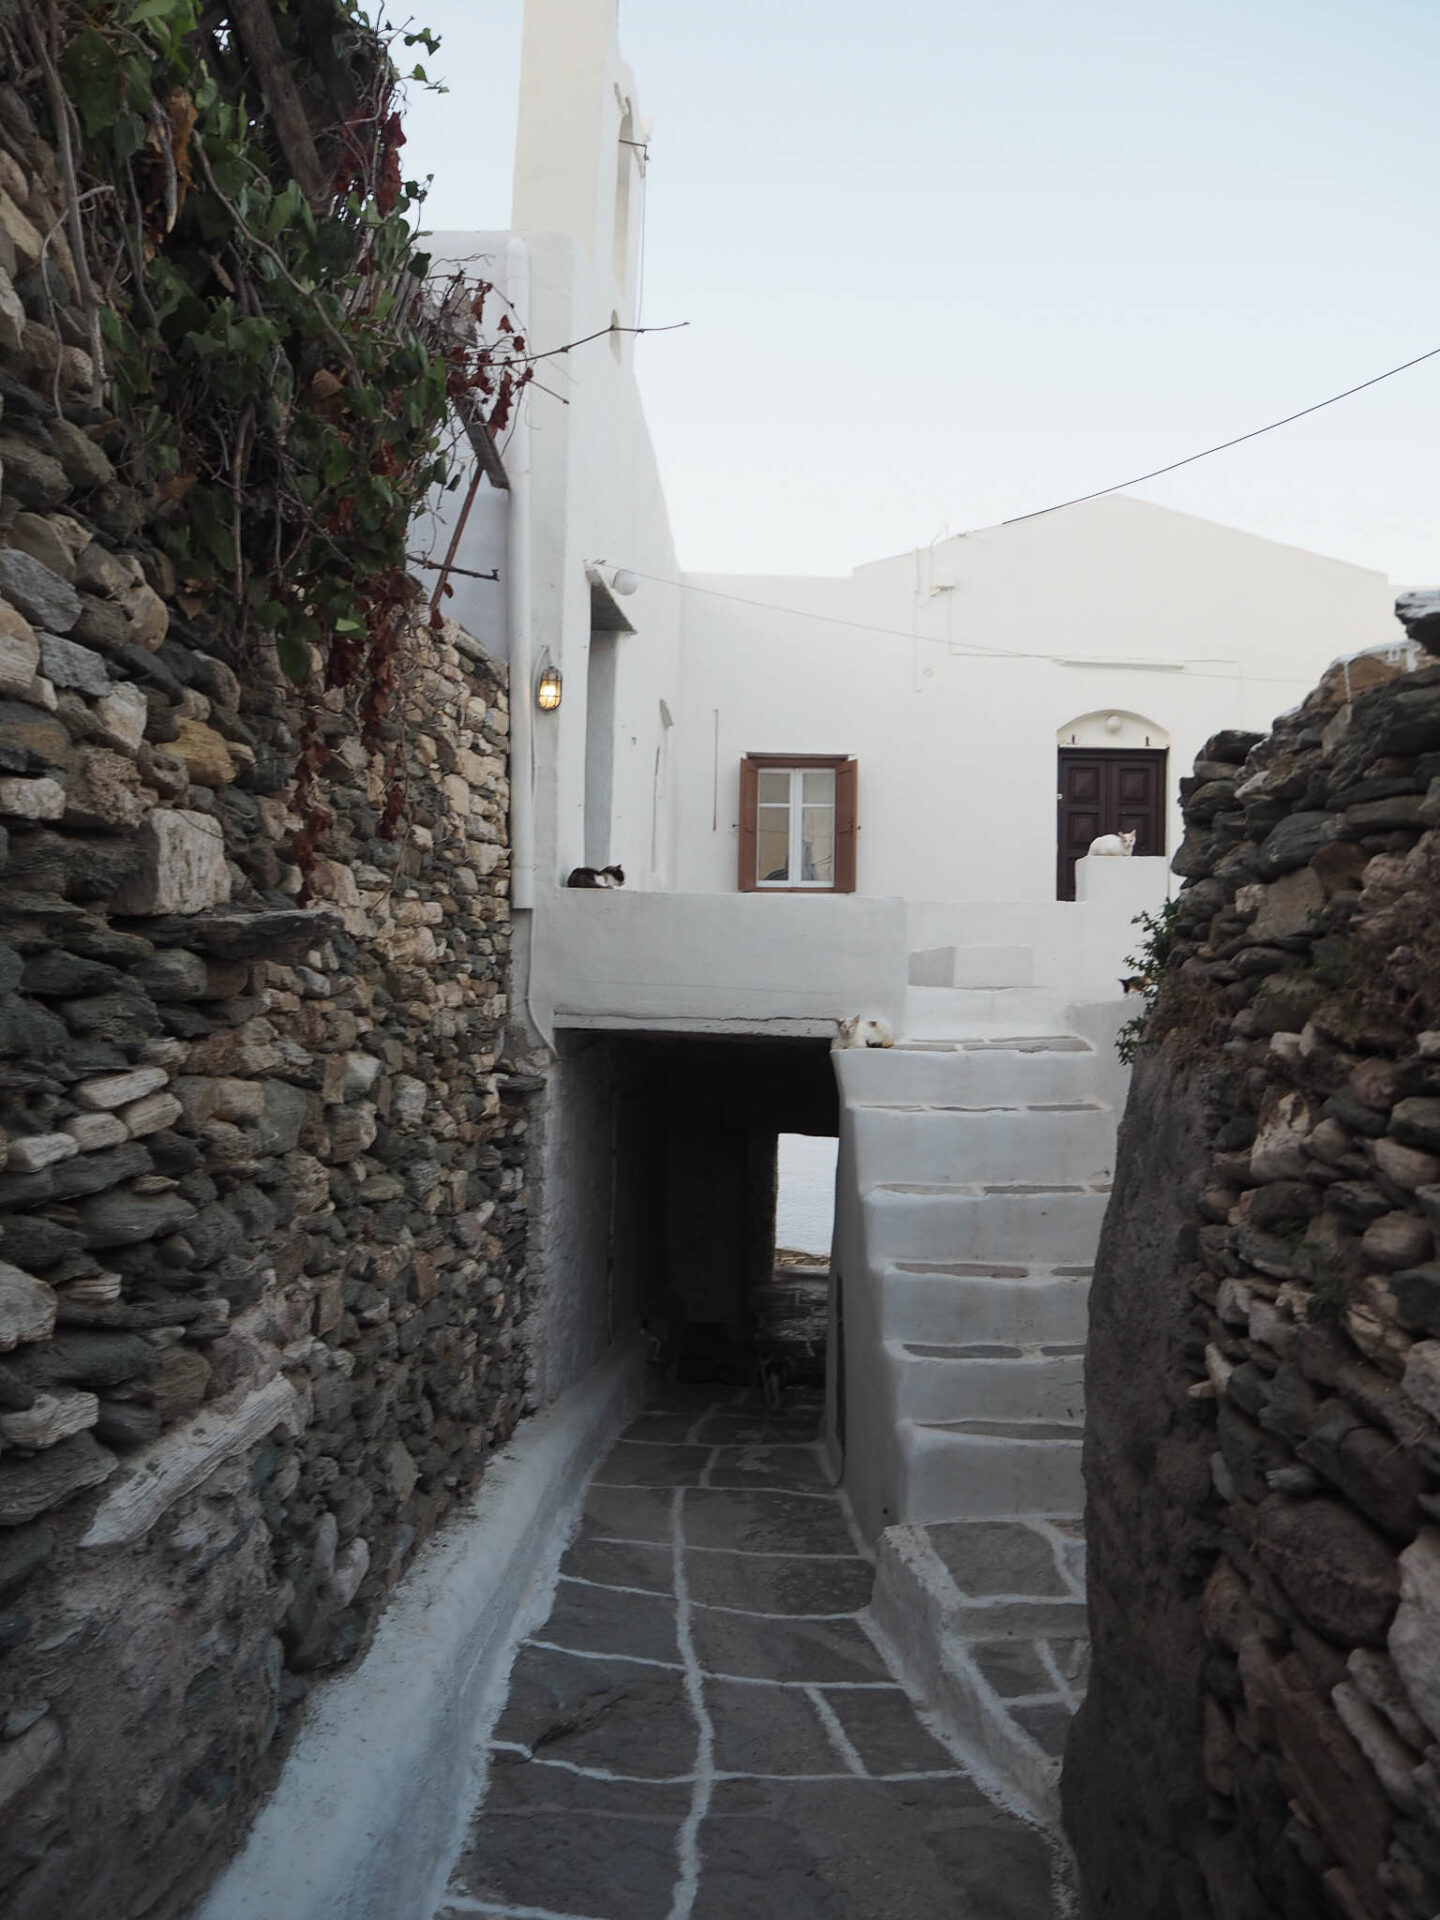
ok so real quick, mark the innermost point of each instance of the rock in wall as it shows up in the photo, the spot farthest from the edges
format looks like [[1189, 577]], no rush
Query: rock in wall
[[262, 1209], [1262, 1453]]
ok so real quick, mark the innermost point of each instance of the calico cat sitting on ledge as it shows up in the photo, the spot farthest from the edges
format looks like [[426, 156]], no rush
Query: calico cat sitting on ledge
[[596, 877]]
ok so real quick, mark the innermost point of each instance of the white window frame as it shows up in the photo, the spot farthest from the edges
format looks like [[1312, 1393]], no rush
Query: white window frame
[[796, 860]]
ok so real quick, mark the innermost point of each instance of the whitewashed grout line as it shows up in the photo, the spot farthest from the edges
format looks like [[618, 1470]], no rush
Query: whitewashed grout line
[[738, 1553], [687, 1845], [839, 1739], [1060, 1545], [701, 1606], [1052, 1666], [462, 1903], [1032, 1700], [613, 1586], [702, 1485], [803, 1686], [751, 1613], [978, 1601], [625, 1659], [688, 1779], [727, 1446], [738, 1679], [596, 1773]]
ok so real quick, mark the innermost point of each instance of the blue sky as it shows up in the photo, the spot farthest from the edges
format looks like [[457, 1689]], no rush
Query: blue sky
[[949, 262]]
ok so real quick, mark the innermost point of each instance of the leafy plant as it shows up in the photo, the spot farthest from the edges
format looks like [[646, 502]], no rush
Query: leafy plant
[[1329, 1297], [287, 383], [1147, 965]]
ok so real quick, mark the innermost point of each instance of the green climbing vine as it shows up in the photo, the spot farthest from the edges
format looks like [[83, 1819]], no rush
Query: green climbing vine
[[1147, 964], [287, 382]]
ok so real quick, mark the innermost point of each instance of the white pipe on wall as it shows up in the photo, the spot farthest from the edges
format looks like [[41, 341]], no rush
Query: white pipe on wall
[[517, 563]]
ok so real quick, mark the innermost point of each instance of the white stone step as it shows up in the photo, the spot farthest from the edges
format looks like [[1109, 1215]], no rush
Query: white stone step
[[1049, 1067], [987, 1381], [1069, 1141], [938, 1013], [973, 966], [953, 1303], [987, 1622], [974, 1469], [1030, 1225], [1041, 925]]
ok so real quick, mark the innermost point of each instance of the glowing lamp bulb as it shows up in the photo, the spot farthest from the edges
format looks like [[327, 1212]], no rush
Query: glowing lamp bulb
[[547, 694]]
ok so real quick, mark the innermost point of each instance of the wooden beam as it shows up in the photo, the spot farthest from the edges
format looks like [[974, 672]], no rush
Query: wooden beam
[[255, 29]]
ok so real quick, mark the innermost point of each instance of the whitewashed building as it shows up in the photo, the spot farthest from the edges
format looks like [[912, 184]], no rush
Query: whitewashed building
[[858, 795]]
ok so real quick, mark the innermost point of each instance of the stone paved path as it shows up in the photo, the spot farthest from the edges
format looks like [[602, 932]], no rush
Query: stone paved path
[[703, 1729]]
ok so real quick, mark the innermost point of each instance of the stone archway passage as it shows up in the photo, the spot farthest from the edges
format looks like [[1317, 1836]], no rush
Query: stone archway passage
[[704, 1729]]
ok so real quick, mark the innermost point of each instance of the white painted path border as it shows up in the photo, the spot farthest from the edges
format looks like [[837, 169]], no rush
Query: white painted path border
[[370, 1808]]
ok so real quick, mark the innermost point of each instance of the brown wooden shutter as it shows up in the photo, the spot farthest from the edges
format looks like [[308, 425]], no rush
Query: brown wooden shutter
[[749, 789], [847, 785]]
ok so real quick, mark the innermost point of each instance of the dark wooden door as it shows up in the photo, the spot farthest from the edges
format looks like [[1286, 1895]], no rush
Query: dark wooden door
[[1107, 792]]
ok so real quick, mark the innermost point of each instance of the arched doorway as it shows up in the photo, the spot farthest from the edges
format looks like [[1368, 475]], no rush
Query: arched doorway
[[1111, 779]]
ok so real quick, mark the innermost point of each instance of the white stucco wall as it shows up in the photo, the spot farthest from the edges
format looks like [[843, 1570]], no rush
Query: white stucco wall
[[949, 672], [1133, 609], [568, 269]]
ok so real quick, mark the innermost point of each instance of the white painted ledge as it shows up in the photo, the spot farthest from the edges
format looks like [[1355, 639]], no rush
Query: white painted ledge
[[913, 1610], [370, 1808]]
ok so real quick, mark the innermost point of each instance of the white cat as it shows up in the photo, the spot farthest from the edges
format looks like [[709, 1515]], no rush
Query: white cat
[[860, 1031], [1114, 843]]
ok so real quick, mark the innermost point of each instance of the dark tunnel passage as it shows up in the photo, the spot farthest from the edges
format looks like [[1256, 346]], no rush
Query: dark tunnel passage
[[662, 1151]]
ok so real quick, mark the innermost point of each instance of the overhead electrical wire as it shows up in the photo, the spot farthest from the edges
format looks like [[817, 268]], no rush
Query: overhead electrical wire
[[976, 651], [1239, 440], [971, 648]]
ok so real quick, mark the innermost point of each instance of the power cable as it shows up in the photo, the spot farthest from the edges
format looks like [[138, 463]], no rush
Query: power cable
[[1060, 659], [1239, 440], [970, 648]]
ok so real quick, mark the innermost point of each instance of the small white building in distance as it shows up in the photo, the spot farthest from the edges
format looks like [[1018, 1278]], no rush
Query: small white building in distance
[[861, 795], [1009, 695]]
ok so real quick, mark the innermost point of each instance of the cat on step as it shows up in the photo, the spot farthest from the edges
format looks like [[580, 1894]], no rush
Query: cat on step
[[596, 877], [861, 1031], [1114, 843]]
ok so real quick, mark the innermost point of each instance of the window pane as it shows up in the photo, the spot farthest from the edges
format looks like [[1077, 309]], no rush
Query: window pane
[[819, 786], [817, 844], [772, 786], [772, 845]]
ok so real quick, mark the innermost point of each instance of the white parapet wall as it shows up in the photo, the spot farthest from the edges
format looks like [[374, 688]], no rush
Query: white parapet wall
[[1110, 894], [1078, 946], [370, 1808], [721, 961]]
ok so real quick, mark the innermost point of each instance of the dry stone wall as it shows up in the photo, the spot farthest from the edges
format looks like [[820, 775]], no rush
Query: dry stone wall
[[1262, 1737], [262, 1208]]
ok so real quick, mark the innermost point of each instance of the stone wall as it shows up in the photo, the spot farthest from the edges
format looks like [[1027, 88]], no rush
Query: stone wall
[[262, 1209], [1262, 1736]]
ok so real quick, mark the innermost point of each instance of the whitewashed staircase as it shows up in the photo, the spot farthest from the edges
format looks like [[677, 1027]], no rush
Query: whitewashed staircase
[[976, 1159], [981, 1168]]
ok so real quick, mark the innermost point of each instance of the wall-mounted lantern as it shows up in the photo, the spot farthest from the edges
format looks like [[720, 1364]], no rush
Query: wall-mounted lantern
[[549, 688]]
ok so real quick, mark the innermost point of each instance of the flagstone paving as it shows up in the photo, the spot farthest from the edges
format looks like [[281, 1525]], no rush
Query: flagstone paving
[[704, 1729]]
